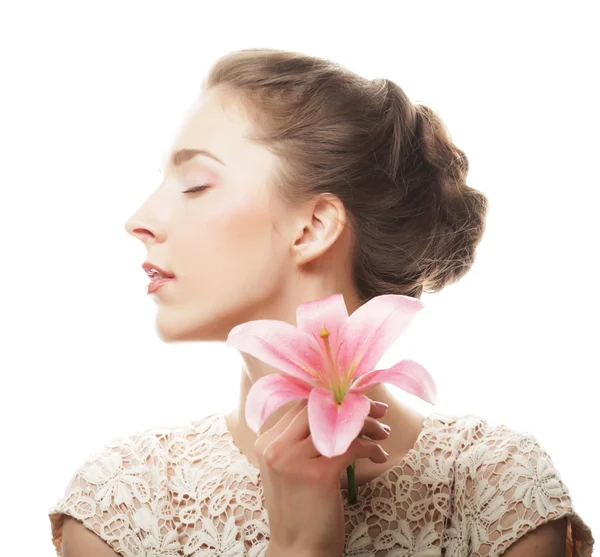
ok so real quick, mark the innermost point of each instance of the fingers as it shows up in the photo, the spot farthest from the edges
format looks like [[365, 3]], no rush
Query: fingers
[[372, 429], [378, 410], [288, 441], [365, 448], [332, 468], [294, 425], [279, 427], [375, 429], [267, 445]]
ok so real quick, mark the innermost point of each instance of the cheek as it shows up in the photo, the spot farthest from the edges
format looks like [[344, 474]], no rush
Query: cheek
[[241, 226], [228, 245]]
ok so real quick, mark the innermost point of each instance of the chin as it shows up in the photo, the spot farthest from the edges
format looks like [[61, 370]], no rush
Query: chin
[[173, 328], [169, 335]]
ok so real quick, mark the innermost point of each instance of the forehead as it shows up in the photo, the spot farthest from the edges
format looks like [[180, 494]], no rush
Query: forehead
[[216, 123], [219, 124]]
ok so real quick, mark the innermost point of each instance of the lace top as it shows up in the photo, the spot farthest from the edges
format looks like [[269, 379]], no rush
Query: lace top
[[466, 488]]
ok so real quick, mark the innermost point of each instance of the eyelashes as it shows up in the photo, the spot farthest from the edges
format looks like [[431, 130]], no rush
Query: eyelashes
[[195, 189]]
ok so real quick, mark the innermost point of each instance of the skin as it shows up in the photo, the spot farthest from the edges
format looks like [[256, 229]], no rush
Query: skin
[[239, 254]]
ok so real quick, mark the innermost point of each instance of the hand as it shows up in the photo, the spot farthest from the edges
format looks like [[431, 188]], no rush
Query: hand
[[302, 488]]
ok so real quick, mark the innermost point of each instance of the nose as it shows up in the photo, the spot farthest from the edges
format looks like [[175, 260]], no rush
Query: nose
[[149, 221], [143, 231]]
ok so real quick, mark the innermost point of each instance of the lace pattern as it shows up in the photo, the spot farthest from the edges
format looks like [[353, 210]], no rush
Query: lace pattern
[[466, 489]]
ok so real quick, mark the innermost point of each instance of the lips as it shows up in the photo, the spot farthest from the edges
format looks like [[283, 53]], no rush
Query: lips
[[154, 271]]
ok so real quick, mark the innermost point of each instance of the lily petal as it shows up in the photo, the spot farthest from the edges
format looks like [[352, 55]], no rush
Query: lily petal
[[372, 329], [322, 320], [280, 345], [270, 393], [335, 426], [330, 312], [407, 375]]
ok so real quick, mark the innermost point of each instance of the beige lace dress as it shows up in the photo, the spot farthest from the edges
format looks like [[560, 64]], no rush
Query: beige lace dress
[[466, 488]]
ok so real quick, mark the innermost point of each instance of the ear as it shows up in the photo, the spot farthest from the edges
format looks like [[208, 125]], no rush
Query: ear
[[319, 227]]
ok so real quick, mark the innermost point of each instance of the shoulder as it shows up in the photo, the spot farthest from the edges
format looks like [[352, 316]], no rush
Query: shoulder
[[119, 491], [507, 485]]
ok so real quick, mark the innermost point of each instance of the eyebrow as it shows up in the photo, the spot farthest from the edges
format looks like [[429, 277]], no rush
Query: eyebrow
[[183, 155]]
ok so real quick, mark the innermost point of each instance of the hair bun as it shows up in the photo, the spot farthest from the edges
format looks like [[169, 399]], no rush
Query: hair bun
[[459, 209]]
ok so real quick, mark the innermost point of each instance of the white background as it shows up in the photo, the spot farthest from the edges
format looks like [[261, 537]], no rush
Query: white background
[[92, 96]]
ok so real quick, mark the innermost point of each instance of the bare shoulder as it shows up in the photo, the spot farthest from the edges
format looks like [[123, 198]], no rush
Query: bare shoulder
[[79, 541]]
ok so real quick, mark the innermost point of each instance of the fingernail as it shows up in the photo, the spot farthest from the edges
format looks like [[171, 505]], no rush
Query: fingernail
[[381, 405], [386, 427]]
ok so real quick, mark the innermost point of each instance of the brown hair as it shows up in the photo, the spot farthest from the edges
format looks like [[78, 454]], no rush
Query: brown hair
[[391, 162]]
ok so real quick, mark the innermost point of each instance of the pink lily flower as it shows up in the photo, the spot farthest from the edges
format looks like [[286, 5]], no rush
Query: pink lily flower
[[329, 358]]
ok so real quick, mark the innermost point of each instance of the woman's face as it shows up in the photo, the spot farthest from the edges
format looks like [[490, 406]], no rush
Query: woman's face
[[228, 260]]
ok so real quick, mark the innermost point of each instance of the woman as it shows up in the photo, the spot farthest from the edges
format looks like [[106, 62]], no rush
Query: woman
[[292, 180]]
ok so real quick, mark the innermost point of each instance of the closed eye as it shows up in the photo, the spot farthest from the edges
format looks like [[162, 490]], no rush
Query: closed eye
[[195, 189]]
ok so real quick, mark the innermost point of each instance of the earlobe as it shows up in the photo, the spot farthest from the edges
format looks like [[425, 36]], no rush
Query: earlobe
[[304, 252]]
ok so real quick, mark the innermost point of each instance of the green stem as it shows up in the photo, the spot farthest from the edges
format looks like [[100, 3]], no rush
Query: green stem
[[351, 483]]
